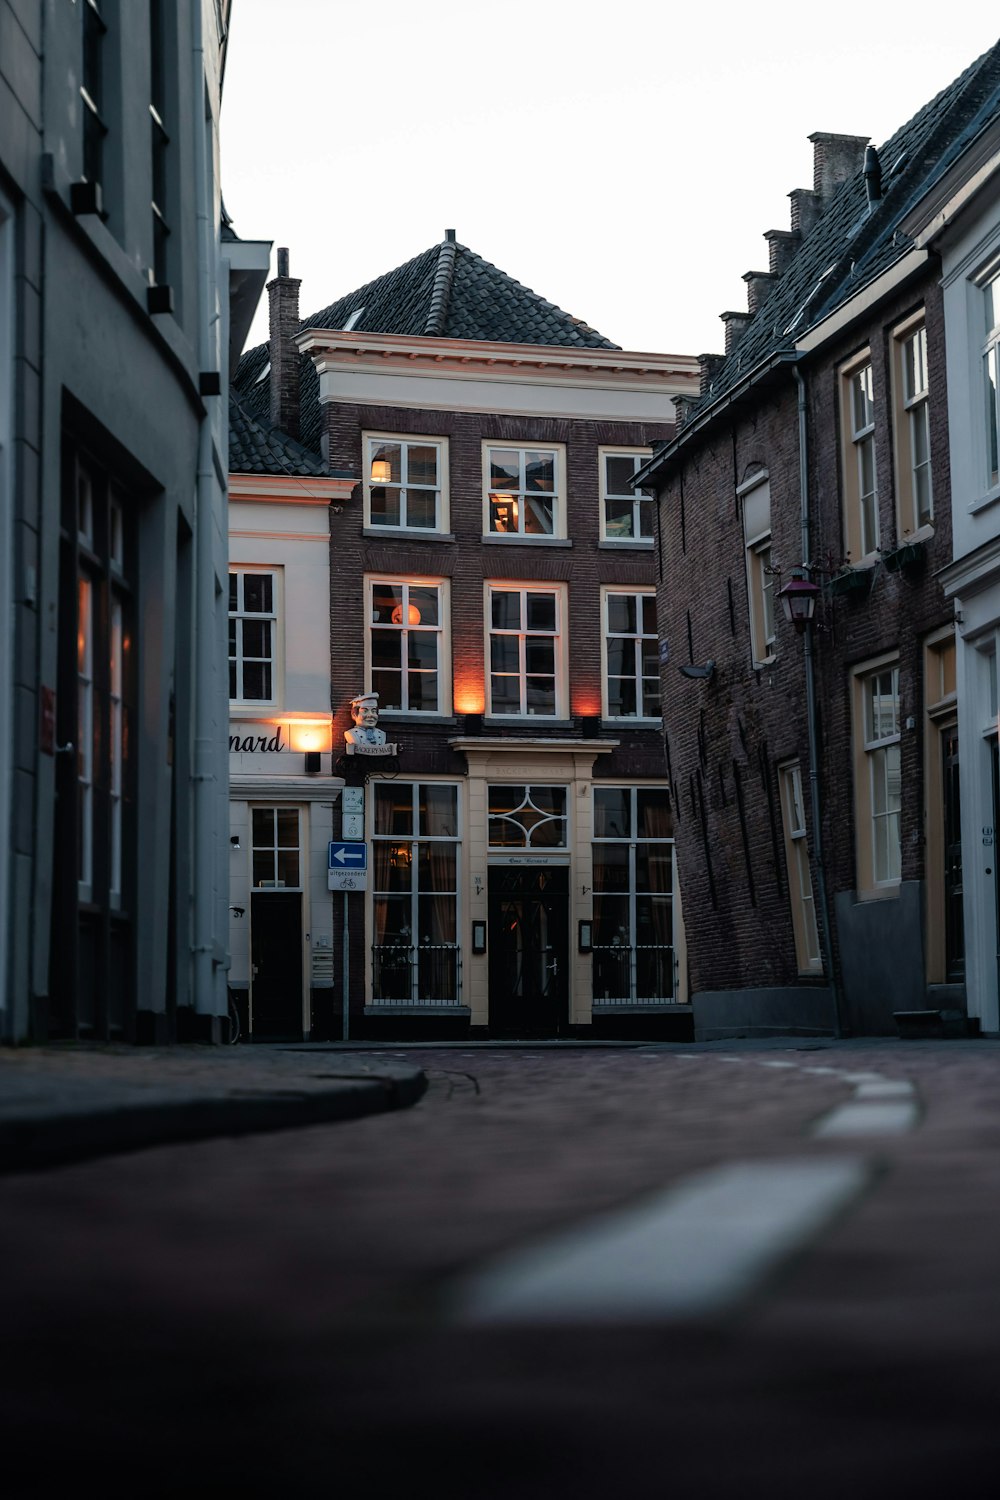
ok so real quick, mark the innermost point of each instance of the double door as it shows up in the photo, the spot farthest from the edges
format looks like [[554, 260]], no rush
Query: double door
[[529, 951]]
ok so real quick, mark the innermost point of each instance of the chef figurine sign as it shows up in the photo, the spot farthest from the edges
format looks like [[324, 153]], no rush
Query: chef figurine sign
[[366, 738]]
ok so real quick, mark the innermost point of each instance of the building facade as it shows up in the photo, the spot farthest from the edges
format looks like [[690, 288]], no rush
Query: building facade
[[816, 776], [493, 584], [121, 305]]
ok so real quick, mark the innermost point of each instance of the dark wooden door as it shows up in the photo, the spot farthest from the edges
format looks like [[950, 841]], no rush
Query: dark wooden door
[[529, 951], [276, 972], [954, 924]]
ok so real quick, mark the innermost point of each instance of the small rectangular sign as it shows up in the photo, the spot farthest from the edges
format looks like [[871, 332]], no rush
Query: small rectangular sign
[[347, 880], [347, 857]]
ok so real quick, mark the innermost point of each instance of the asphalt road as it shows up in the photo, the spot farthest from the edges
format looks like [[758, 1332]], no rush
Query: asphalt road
[[303, 1311]]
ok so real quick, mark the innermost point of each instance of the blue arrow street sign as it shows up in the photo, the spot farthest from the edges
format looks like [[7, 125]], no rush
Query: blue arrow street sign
[[348, 857]]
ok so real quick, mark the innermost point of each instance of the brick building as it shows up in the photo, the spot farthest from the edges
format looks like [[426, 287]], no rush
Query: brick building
[[493, 581], [815, 776]]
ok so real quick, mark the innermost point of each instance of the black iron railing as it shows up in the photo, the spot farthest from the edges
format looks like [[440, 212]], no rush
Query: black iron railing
[[640, 975], [424, 974]]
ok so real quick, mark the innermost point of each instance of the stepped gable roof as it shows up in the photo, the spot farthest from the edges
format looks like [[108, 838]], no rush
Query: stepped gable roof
[[447, 291], [255, 447], [851, 245]]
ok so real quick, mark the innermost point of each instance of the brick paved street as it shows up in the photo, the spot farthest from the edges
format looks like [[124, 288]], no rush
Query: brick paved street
[[272, 1312]]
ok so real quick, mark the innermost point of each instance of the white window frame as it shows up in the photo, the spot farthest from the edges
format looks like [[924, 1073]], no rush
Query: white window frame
[[632, 840], [559, 503], [643, 501], [274, 846], [528, 804], [637, 638], [558, 592], [911, 415], [242, 571], [858, 429], [407, 440], [6, 553], [808, 955], [987, 286], [873, 761], [755, 502], [442, 633]]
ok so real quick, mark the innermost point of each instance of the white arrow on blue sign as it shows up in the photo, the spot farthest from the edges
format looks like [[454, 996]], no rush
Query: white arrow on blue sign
[[348, 857]]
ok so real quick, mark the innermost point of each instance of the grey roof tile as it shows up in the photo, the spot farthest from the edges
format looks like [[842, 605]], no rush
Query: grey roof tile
[[255, 447]]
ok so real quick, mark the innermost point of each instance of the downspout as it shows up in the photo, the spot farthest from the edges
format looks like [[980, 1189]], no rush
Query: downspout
[[206, 646], [807, 641]]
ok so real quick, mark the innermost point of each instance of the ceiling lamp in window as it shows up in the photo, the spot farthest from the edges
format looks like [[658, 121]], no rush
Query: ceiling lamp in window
[[381, 472], [412, 615]]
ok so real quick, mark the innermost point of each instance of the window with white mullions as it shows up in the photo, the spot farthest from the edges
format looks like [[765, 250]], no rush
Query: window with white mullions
[[415, 852], [527, 817], [633, 937], [631, 651], [523, 492], [403, 483], [525, 668], [991, 374], [800, 889], [862, 398], [882, 753], [252, 622], [917, 405], [406, 645], [275, 848], [626, 514], [92, 91]]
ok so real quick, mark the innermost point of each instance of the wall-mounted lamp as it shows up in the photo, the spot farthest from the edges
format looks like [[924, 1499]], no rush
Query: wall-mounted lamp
[[798, 599], [472, 723], [314, 760], [235, 841], [381, 471], [479, 937], [585, 937], [704, 674], [590, 725]]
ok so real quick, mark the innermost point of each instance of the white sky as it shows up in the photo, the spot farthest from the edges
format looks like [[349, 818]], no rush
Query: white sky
[[622, 159]]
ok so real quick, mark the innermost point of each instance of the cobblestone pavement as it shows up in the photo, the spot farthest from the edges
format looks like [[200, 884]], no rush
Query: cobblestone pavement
[[271, 1313]]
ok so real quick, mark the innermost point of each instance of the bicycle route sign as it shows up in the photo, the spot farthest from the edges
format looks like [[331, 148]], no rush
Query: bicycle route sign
[[347, 867]]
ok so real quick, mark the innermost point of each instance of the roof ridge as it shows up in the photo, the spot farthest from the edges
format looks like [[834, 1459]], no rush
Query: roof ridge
[[444, 275]]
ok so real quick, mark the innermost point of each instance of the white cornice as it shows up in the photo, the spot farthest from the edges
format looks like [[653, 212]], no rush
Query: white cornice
[[304, 489]]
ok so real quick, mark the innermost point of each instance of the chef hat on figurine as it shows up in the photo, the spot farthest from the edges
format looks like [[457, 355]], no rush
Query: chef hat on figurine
[[364, 700]]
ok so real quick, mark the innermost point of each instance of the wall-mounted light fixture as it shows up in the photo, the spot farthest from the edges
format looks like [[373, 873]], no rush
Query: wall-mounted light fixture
[[704, 673], [314, 761], [307, 733], [798, 599], [479, 937], [585, 937], [235, 841]]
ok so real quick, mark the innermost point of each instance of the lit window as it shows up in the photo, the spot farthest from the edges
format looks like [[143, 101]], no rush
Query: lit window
[[405, 483], [915, 506], [406, 643], [527, 817], [252, 626], [525, 665], [626, 515], [633, 897], [861, 520], [631, 656], [415, 850], [523, 492]]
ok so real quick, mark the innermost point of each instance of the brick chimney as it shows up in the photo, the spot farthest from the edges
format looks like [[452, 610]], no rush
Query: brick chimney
[[736, 323], [806, 209], [708, 364], [283, 306], [781, 247], [759, 284], [835, 159], [682, 408]]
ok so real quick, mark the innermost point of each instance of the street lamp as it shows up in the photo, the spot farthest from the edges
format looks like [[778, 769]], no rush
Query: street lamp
[[798, 600]]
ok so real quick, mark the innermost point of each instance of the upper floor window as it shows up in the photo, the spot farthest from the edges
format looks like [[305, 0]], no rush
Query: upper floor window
[[159, 139], [626, 514], [878, 783], [915, 507], [523, 492], [755, 496], [631, 656], [92, 91], [991, 373], [526, 664], [407, 642], [253, 621], [405, 483], [861, 525]]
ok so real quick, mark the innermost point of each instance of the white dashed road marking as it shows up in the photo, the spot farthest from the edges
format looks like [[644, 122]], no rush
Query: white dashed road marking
[[691, 1251], [869, 1117]]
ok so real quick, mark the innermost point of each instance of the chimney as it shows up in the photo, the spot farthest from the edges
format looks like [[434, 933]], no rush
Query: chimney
[[736, 323], [806, 209], [283, 301], [781, 247], [708, 364], [759, 284], [682, 408], [873, 177], [835, 159]]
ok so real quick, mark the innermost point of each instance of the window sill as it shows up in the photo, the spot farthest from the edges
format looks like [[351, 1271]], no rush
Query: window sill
[[424, 1008], [251, 710], [634, 544], [405, 534], [879, 893], [509, 539], [632, 722], [496, 721], [992, 497]]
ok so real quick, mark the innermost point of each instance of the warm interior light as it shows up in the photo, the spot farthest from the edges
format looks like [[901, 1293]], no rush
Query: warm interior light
[[307, 734], [381, 471], [412, 615]]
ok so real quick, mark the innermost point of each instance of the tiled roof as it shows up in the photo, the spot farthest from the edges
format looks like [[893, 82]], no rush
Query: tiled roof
[[258, 448], [447, 291], [852, 244]]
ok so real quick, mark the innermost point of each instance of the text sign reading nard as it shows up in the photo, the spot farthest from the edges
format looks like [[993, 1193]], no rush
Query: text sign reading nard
[[270, 744], [347, 867]]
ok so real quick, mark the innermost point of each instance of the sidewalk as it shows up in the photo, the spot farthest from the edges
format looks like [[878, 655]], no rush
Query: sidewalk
[[68, 1102]]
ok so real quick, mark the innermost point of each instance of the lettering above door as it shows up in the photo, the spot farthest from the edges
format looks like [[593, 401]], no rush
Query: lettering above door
[[271, 744]]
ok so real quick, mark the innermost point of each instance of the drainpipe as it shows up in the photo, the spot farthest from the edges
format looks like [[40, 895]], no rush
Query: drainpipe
[[807, 642], [207, 639]]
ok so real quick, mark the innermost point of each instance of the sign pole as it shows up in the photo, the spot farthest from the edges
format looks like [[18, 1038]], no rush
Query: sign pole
[[346, 976]]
